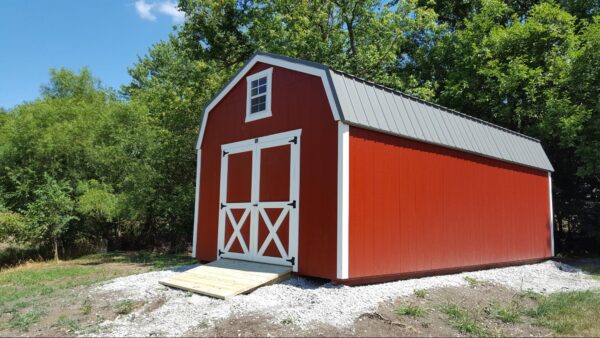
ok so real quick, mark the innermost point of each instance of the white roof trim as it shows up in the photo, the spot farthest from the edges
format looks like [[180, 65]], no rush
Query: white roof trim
[[303, 67]]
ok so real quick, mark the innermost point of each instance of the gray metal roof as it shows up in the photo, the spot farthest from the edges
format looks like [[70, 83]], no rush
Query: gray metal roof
[[368, 105]]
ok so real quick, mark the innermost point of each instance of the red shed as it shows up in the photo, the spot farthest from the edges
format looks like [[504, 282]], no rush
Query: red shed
[[344, 179]]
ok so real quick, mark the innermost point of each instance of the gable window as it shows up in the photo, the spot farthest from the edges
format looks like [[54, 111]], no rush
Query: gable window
[[258, 96]]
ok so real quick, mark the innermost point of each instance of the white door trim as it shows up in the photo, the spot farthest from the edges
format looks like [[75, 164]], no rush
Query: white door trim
[[255, 209]]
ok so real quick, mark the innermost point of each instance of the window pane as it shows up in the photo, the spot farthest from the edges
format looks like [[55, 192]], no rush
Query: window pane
[[254, 91], [262, 89], [254, 84], [258, 104], [262, 81]]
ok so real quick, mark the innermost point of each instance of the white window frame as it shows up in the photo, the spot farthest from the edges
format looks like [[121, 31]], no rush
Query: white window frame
[[267, 112]]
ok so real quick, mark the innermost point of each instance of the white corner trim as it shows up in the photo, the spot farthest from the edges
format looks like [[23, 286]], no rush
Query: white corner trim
[[299, 67], [196, 204], [343, 199], [267, 112], [551, 214]]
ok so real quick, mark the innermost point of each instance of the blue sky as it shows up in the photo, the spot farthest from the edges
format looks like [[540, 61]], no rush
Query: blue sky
[[105, 35]]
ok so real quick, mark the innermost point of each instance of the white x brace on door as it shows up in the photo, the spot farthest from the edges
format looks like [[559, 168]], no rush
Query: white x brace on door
[[259, 199]]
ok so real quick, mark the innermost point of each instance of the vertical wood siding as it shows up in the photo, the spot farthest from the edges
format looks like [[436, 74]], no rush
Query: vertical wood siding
[[419, 207], [298, 102]]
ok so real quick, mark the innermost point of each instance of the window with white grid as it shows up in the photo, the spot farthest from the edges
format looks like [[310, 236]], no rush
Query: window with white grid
[[258, 96]]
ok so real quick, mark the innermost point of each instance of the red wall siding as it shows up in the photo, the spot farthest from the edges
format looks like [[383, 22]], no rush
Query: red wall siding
[[298, 101], [418, 207]]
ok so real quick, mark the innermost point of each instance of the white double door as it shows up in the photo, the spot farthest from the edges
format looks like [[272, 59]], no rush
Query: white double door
[[258, 217]]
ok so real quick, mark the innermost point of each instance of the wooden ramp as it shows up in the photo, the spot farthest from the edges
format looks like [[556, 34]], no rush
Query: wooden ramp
[[227, 277]]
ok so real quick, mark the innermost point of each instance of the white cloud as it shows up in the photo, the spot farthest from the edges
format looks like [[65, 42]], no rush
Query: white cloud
[[144, 10], [170, 9], [148, 10]]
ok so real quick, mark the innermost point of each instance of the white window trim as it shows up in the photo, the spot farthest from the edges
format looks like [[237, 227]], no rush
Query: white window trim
[[267, 112]]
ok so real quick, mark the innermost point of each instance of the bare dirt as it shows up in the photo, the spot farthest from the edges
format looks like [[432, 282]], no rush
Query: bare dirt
[[481, 300]]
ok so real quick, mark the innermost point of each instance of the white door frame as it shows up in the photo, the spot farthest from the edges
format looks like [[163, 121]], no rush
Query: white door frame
[[255, 209]]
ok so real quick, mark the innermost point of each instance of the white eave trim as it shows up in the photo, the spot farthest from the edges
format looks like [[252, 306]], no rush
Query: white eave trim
[[278, 62]]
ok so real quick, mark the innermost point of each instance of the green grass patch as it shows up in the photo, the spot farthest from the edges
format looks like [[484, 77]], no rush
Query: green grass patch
[[71, 325], [420, 293], [86, 307], [23, 321], [410, 310], [531, 295], [472, 281], [126, 307], [153, 260], [30, 290], [463, 322], [27, 283], [508, 314], [574, 313]]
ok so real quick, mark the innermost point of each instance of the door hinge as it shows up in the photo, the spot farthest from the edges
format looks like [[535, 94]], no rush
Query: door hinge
[[292, 260], [294, 140], [292, 204], [223, 205], [225, 153], [221, 252]]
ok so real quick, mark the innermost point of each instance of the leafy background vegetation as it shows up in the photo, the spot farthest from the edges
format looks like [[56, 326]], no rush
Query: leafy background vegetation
[[86, 167]]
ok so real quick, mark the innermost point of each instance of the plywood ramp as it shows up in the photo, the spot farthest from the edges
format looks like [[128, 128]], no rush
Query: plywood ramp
[[227, 277]]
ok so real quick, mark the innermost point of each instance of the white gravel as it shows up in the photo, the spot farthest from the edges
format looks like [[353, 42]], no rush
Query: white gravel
[[305, 301]]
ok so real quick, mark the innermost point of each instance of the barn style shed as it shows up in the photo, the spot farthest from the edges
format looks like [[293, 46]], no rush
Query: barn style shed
[[304, 166]]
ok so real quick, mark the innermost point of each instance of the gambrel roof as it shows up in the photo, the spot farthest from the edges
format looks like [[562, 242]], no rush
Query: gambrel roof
[[364, 104]]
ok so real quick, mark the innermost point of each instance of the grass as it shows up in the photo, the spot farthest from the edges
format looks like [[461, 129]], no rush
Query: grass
[[472, 281], [30, 292], [44, 279], [573, 313], [531, 295], [150, 259], [23, 321], [71, 325], [508, 314], [420, 293], [86, 307], [410, 310], [462, 321], [125, 307]]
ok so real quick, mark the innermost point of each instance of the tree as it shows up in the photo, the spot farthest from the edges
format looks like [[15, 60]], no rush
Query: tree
[[99, 148], [48, 217]]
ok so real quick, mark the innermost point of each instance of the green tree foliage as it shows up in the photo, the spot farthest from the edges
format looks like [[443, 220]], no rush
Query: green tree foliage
[[527, 65], [81, 141], [128, 158], [48, 217]]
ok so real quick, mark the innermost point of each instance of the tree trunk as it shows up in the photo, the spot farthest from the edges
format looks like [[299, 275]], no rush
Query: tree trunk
[[55, 248]]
